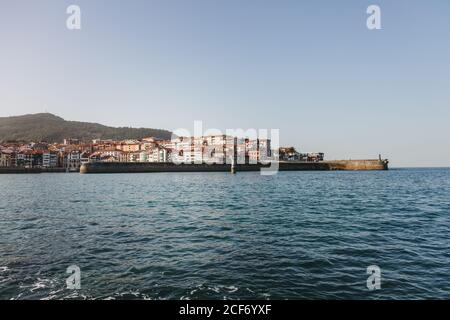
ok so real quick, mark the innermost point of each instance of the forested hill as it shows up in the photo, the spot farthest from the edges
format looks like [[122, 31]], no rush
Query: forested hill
[[50, 128]]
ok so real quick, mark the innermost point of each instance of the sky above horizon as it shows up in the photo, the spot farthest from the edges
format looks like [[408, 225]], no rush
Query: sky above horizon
[[311, 69]]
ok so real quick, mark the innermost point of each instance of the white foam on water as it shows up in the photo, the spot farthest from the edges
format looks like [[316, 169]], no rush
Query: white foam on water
[[18, 297], [4, 269], [214, 289], [3, 280], [135, 293], [41, 284], [193, 291], [54, 294], [231, 289]]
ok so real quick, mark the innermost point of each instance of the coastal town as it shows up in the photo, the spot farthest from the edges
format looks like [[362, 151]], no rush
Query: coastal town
[[72, 153]]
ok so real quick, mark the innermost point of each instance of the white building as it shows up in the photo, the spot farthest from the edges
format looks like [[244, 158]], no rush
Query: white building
[[143, 156], [50, 159], [159, 154], [73, 160]]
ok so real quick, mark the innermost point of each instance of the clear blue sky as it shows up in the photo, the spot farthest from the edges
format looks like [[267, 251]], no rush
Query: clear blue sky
[[309, 68]]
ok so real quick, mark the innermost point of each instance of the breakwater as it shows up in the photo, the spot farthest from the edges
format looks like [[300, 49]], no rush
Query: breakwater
[[131, 167], [358, 165], [8, 170], [128, 167]]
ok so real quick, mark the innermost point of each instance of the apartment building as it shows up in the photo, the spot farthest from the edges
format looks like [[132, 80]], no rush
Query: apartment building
[[50, 159], [6, 159]]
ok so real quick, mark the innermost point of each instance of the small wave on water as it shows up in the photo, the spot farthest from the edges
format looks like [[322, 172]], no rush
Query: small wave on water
[[39, 284], [223, 292], [4, 269], [4, 278], [129, 295]]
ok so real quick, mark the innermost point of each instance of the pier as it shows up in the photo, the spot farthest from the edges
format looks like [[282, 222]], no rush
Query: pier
[[129, 167]]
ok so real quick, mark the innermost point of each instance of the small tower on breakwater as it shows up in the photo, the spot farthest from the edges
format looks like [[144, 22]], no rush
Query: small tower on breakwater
[[234, 157], [233, 166]]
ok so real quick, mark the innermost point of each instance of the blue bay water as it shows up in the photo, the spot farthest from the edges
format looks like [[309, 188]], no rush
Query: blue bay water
[[296, 235]]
